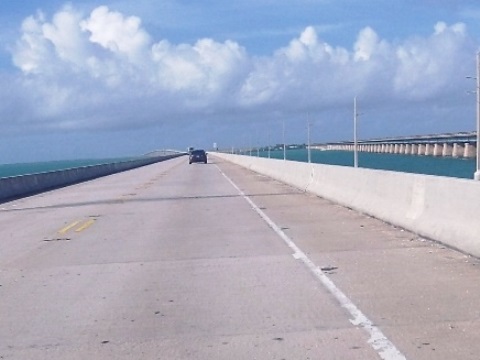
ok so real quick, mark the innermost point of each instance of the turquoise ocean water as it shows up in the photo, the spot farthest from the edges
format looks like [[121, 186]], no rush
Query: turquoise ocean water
[[8, 170], [429, 165], [440, 166]]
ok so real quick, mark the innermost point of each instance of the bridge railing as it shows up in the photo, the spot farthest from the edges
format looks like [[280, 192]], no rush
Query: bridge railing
[[461, 145]]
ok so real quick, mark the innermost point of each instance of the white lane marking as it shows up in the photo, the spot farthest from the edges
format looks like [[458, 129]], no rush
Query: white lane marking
[[378, 341]]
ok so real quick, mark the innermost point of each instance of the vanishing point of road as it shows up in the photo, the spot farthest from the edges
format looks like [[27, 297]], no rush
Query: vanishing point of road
[[177, 261]]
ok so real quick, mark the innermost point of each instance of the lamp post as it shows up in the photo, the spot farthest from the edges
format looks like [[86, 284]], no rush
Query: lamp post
[[309, 154], [284, 145], [355, 149], [476, 176], [268, 142]]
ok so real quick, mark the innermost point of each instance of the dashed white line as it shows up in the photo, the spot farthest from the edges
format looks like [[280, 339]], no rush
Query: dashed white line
[[378, 341]]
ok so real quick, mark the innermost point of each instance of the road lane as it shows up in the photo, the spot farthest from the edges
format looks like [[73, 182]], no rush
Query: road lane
[[385, 348], [422, 295], [175, 264]]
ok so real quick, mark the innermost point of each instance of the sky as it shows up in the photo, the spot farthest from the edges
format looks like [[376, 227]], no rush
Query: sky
[[101, 79]]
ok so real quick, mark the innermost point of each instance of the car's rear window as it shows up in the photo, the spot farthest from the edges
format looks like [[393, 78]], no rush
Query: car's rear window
[[198, 152]]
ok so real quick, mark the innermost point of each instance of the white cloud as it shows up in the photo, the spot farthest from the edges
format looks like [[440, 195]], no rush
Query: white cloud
[[310, 70], [369, 44], [65, 36], [105, 69], [207, 67], [119, 34], [32, 50], [428, 66]]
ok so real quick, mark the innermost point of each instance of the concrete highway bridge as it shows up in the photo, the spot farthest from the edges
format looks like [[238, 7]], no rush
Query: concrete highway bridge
[[461, 144], [178, 261]]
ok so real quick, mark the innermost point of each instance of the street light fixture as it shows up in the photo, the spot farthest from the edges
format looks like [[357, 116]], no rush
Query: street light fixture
[[309, 153], [476, 175], [268, 142], [355, 143]]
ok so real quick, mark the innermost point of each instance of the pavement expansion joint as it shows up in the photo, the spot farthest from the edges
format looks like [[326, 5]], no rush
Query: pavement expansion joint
[[57, 239]]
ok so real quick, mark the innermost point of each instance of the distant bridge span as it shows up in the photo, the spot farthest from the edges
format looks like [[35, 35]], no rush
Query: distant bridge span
[[460, 144]]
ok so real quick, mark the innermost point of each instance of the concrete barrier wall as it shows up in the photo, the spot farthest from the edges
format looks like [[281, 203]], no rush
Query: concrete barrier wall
[[24, 185], [439, 208]]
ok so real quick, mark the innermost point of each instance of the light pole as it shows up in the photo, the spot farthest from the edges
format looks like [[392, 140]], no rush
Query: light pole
[[250, 145], [284, 145], [476, 176], [355, 116], [309, 154], [268, 142]]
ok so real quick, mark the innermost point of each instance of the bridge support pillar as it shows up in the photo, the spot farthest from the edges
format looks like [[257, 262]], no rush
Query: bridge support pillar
[[447, 150], [421, 149], [470, 151], [458, 150], [429, 149], [413, 149], [437, 150]]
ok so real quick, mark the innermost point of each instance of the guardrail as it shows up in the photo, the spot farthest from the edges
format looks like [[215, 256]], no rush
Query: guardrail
[[439, 208], [24, 185]]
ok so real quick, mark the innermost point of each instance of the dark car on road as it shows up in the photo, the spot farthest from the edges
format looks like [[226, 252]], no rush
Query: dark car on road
[[197, 156]]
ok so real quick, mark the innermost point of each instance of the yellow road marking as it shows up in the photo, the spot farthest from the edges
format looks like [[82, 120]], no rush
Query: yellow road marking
[[68, 227], [85, 225]]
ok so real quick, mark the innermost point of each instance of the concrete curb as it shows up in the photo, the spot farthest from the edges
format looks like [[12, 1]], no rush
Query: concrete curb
[[20, 186], [439, 208]]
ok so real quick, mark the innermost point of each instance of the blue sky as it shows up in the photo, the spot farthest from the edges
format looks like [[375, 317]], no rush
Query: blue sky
[[118, 78]]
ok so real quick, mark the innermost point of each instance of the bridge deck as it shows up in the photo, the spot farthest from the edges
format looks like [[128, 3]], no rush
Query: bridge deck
[[177, 261], [447, 138]]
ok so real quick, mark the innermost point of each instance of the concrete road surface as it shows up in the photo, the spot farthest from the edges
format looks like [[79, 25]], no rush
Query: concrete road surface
[[177, 261]]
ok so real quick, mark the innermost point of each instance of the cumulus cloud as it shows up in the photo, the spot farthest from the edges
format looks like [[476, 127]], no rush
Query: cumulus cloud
[[103, 69], [119, 34], [207, 67], [368, 45], [426, 66]]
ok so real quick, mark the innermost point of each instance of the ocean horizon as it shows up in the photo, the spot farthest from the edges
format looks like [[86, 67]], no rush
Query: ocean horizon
[[415, 164]]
